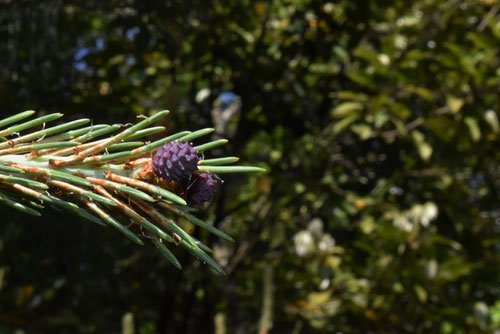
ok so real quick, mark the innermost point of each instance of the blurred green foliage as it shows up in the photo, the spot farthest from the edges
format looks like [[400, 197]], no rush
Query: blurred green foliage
[[378, 123]]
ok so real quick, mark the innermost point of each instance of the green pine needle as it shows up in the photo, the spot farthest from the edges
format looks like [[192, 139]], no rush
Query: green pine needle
[[105, 178]]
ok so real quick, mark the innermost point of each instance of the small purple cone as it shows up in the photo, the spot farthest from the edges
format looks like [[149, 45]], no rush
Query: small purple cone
[[175, 161], [201, 189]]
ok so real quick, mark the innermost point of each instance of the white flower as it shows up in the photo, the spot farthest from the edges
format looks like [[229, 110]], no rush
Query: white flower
[[429, 213], [202, 95], [326, 243], [415, 213], [315, 226], [423, 214], [403, 223], [303, 242], [384, 59]]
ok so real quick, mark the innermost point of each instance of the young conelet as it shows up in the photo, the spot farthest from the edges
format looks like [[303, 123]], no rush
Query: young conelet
[[200, 189], [177, 162]]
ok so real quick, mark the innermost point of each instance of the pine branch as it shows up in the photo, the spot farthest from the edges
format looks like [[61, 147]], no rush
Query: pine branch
[[110, 181]]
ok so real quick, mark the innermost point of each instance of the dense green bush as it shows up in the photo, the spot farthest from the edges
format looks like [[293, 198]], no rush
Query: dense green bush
[[378, 123]]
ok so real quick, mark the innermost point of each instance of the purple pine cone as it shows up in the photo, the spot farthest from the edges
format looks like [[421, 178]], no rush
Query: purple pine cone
[[175, 161], [201, 189]]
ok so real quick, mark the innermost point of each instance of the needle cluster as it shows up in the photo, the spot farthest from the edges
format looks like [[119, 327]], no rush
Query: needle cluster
[[95, 172]]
